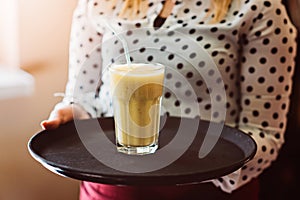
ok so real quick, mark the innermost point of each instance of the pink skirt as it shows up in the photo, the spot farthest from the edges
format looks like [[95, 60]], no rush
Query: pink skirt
[[94, 191]]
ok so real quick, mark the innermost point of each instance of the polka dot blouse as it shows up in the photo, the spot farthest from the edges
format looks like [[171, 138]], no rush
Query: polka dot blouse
[[242, 65]]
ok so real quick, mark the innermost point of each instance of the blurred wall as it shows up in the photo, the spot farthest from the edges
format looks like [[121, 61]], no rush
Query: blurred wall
[[9, 33], [44, 28]]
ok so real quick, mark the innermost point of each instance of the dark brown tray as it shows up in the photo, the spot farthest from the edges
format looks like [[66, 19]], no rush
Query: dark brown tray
[[70, 151]]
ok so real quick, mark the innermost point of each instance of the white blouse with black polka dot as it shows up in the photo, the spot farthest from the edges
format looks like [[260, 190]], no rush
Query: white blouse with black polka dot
[[253, 48]]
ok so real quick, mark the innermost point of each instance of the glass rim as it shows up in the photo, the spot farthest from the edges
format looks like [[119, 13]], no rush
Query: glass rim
[[157, 66]]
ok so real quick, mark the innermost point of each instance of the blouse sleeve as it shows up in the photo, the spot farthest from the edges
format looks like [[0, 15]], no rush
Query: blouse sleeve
[[84, 63], [267, 66]]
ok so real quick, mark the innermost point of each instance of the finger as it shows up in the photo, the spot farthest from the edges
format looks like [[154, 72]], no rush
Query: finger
[[50, 124]]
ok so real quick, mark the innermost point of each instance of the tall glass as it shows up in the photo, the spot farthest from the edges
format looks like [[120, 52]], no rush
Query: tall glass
[[136, 93]]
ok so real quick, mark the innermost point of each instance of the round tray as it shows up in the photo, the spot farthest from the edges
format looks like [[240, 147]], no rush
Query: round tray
[[70, 152]]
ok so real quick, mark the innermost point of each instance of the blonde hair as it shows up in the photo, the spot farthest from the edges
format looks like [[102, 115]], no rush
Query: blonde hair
[[220, 9], [133, 8]]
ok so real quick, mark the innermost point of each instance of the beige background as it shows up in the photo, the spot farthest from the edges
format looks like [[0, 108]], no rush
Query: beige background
[[44, 29]]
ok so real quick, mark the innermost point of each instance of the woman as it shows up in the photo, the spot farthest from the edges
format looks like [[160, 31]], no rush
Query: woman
[[252, 43]]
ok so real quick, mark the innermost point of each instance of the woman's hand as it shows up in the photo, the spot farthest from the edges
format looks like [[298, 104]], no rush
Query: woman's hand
[[64, 115]]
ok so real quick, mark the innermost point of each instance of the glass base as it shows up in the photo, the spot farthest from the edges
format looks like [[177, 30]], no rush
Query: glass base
[[137, 150]]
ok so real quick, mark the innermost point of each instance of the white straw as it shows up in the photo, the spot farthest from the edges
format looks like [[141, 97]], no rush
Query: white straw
[[123, 41]]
